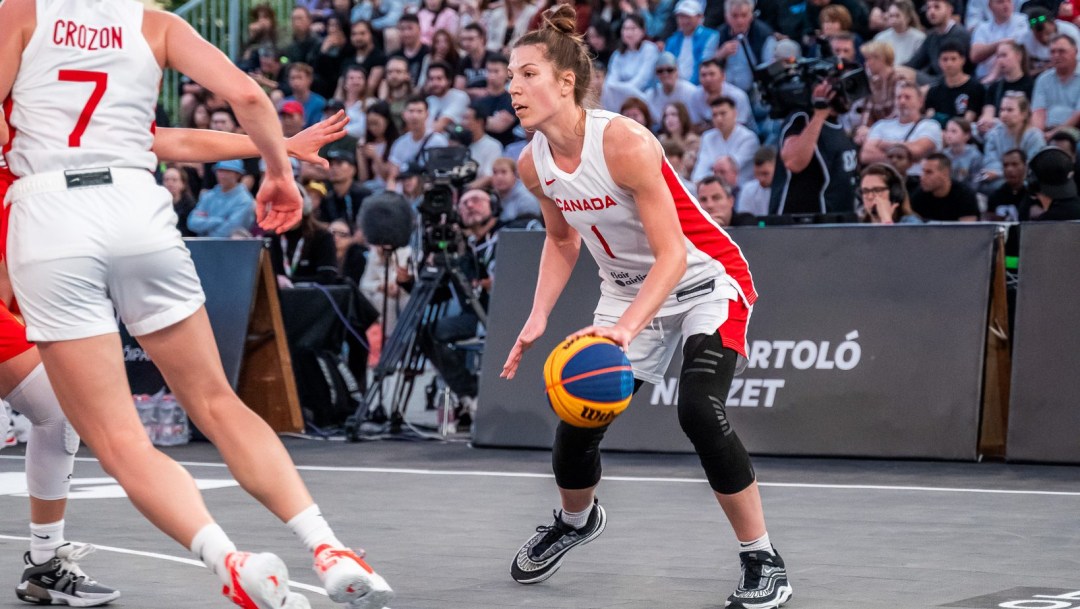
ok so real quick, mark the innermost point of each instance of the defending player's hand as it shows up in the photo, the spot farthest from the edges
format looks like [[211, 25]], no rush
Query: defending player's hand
[[534, 328], [278, 206], [621, 336], [305, 145]]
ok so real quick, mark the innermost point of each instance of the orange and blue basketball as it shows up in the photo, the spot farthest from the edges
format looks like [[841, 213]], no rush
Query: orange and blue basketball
[[589, 381]]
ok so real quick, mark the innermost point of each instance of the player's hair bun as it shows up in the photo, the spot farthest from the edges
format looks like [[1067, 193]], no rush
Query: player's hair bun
[[562, 18]]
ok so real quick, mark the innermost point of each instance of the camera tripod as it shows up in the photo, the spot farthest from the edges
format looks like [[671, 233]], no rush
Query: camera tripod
[[402, 352]]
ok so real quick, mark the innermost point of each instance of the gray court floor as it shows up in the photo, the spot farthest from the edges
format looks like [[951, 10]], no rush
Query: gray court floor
[[442, 521]]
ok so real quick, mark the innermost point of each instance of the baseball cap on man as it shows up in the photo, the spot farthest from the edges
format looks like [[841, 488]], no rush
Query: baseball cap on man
[[1053, 168], [291, 107], [667, 59], [689, 7], [233, 165]]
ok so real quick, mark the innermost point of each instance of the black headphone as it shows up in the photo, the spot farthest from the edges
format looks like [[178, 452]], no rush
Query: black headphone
[[893, 179], [1032, 180], [496, 201]]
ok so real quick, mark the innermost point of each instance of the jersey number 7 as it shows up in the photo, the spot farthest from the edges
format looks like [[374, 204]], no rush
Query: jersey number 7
[[100, 81]]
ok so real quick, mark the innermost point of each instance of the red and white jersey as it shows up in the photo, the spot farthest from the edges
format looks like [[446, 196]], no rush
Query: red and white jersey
[[607, 217], [86, 90]]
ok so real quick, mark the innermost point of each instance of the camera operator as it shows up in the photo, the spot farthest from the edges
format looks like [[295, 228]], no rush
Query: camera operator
[[816, 156]]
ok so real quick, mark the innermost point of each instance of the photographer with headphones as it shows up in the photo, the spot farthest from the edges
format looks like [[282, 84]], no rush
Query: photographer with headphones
[[1050, 179], [884, 197]]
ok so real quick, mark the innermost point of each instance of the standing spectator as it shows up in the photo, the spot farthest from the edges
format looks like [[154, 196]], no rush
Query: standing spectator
[[496, 102], [726, 138], [740, 23], [333, 52], [397, 88], [1056, 192], [939, 13], [228, 208], [374, 166], [939, 197], [413, 48], [713, 85], [1014, 131], [676, 128], [1057, 90], [956, 94], [484, 149], [345, 195], [905, 34], [305, 44], [517, 201], [633, 62], [967, 161], [669, 88], [692, 43], [408, 150], [446, 105], [1011, 202], [175, 181], [1005, 27], [301, 75], [1010, 74], [756, 194], [921, 136], [436, 15], [1043, 29], [472, 69], [367, 56]]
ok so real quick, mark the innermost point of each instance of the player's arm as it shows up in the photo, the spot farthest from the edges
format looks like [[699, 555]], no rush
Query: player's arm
[[12, 43], [562, 244], [634, 159], [206, 146]]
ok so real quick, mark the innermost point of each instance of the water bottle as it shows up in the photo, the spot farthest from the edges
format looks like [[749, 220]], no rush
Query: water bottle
[[146, 406], [173, 422]]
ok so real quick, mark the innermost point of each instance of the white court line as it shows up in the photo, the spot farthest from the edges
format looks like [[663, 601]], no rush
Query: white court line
[[489, 474], [177, 559]]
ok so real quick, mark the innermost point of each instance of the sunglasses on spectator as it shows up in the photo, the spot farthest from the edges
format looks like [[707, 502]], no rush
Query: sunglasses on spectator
[[664, 70]]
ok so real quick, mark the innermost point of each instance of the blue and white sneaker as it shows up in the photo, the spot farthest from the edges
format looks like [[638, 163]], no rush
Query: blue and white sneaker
[[764, 582], [542, 554]]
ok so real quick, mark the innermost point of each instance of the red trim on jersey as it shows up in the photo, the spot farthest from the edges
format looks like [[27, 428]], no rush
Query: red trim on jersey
[[704, 234]]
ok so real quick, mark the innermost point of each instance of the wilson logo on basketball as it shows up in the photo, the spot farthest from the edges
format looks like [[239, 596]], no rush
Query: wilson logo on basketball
[[596, 416], [587, 204]]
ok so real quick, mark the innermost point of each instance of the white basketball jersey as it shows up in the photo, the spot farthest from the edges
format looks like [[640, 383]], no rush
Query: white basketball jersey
[[86, 89], [607, 218]]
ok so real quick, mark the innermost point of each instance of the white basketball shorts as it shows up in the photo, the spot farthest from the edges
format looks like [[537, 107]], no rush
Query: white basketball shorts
[[85, 246]]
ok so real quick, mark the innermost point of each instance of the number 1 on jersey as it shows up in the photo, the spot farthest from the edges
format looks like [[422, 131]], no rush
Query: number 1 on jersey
[[100, 81], [603, 242]]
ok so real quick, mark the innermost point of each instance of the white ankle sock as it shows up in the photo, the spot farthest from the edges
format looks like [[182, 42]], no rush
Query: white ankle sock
[[313, 530], [575, 519], [211, 545], [758, 545], [44, 539]]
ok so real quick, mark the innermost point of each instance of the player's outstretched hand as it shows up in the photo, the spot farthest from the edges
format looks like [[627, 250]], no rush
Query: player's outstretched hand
[[305, 145], [620, 336], [278, 206], [533, 329]]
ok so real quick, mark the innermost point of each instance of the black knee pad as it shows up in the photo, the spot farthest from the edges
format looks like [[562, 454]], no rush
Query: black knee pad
[[707, 370], [575, 456]]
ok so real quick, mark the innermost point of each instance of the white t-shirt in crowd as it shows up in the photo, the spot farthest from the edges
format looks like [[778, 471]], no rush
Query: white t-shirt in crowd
[[740, 146], [892, 130]]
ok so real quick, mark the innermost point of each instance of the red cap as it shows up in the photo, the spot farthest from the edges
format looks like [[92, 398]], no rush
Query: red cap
[[291, 107]]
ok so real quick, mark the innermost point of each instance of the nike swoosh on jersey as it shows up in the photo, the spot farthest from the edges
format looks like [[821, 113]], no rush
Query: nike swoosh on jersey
[[549, 182]]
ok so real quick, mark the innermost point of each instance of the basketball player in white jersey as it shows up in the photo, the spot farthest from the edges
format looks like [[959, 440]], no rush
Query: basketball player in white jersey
[[90, 231], [668, 272]]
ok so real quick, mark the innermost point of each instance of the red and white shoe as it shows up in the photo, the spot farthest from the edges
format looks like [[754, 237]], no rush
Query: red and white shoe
[[260, 581], [348, 579]]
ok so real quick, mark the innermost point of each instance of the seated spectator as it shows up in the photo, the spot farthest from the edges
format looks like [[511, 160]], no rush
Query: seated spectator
[[612, 94], [385, 291], [316, 192], [384, 16], [881, 102], [967, 161], [304, 253], [675, 128], [670, 87], [472, 69], [1004, 27], [941, 199], [740, 23], [446, 105], [515, 199], [692, 42], [1014, 130], [301, 76], [599, 40], [1011, 202], [484, 149], [1009, 74], [198, 118], [900, 159], [368, 56], [262, 31], [226, 210], [939, 13], [712, 76], [443, 50], [291, 115], [726, 138], [885, 200], [1057, 90], [856, 10], [716, 199], [413, 49], [728, 172], [755, 195], [333, 52], [175, 180], [305, 43], [374, 166], [352, 98], [905, 33], [845, 46], [1037, 40], [436, 15], [675, 154], [836, 32], [397, 88], [270, 74], [1054, 170], [349, 250], [409, 148], [957, 93], [223, 119], [636, 109], [496, 102], [345, 195], [632, 64], [1066, 138], [921, 136]]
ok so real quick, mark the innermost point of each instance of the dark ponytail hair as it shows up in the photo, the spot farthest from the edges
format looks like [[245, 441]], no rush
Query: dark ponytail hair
[[563, 46]]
